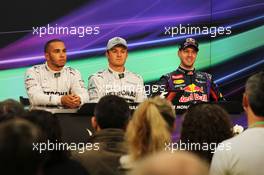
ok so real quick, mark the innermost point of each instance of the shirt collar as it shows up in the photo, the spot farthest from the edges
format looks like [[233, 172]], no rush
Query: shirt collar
[[52, 71], [118, 75], [185, 71]]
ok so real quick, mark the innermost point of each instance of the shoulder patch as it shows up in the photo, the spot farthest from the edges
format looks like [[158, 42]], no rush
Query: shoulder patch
[[204, 74], [37, 68], [90, 77], [70, 69], [136, 75], [167, 76], [98, 74]]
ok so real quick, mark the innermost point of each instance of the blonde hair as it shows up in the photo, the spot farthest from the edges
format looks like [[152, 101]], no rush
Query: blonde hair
[[177, 163], [150, 127]]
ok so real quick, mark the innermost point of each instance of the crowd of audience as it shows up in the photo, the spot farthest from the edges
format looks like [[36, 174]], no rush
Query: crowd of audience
[[137, 144]]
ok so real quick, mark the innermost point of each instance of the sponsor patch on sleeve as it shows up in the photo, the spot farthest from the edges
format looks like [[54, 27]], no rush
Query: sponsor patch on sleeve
[[177, 76]]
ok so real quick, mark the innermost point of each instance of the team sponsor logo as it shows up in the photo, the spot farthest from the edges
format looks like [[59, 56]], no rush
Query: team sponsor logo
[[29, 76], [122, 75], [93, 95], [177, 76], [178, 81], [91, 88], [200, 81], [190, 73], [193, 88], [55, 93], [200, 76], [193, 97], [28, 86], [180, 86], [82, 84], [182, 106], [29, 79]]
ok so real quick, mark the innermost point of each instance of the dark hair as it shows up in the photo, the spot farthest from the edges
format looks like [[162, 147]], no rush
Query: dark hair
[[46, 122], [112, 112], [50, 127], [10, 108], [255, 92], [206, 123], [49, 42], [16, 149]]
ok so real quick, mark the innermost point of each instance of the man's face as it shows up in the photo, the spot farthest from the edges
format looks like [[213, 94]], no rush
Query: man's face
[[117, 56], [188, 57], [56, 55]]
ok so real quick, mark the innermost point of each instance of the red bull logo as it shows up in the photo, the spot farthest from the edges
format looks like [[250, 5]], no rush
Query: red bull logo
[[193, 88], [195, 96]]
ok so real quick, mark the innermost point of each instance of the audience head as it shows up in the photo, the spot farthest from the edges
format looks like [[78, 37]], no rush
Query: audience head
[[16, 149], [50, 127], [253, 100], [177, 163], [46, 122], [206, 123], [150, 127], [111, 112], [9, 109]]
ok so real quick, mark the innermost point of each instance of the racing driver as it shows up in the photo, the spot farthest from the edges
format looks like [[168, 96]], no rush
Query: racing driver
[[185, 84], [53, 84], [116, 79]]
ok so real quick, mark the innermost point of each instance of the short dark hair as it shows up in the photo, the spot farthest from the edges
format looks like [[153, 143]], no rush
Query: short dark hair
[[46, 46], [46, 122], [16, 149], [10, 108], [255, 92], [206, 123], [112, 112], [51, 129]]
